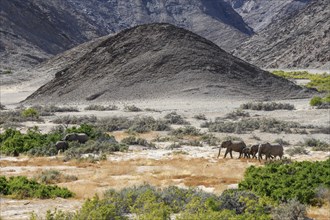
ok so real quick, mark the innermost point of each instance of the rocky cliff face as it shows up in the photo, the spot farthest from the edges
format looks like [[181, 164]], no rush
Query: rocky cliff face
[[34, 30], [259, 14], [302, 40]]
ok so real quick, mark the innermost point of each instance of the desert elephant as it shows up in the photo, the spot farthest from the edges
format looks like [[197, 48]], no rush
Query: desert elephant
[[270, 150], [246, 151], [61, 145], [254, 150], [237, 146], [80, 137]]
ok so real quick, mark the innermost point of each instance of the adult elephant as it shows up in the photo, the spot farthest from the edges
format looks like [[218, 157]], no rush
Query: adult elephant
[[270, 150], [230, 146], [61, 145], [80, 137]]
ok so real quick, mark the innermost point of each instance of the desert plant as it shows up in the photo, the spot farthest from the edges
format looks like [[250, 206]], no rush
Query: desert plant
[[267, 106], [30, 113], [237, 114], [209, 139], [75, 120], [20, 187], [132, 140], [200, 117], [101, 108], [281, 141], [316, 144], [54, 176], [131, 108], [187, 130], [2, 107], [291, 210], [315, 101], [296, 150], [174, 118]]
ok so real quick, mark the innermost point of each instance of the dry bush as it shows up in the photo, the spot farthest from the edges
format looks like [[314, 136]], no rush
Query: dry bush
[[174, 118], [282, 142], [187, 130], [132, 108], [54, 176], [16, 116], [132, 140], [293, 210], [297, 150], [267, 106], [200, 117], [237, 114], [75, 119], [101, 108]]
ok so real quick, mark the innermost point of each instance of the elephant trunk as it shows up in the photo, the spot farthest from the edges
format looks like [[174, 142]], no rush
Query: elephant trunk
[[219, 150]]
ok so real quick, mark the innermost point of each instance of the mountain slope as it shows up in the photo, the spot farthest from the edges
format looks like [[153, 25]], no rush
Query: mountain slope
[[259, 14], [301, 41], [157, 61], [34, 30]]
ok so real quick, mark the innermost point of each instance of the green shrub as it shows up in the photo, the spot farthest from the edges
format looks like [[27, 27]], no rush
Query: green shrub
[[20, 187], [30, 113], [284, 182], [315, 101], [14, 142]]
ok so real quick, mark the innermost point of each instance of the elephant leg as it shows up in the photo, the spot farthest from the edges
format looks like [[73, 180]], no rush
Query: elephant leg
[[231, 154], [226, 153]]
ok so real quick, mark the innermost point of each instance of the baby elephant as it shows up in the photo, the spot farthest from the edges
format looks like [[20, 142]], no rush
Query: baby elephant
[[61, 145], [246, 152]]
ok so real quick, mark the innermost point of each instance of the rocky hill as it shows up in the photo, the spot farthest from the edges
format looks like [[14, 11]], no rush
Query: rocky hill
[[299, 41], [259, 14], [34, 30], [158, 61]]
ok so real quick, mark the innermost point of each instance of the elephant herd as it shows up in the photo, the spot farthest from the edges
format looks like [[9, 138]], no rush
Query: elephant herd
[[270, 150], [63, 144]]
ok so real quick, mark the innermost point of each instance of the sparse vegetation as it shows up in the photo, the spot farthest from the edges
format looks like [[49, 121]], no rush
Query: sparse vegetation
[[270, 125], [297, 150], [317, 145], [75, 120], [174, 118], [19, 187], [101, 108], [132, 140], [237, 114], [51, 109], [132, 108], [209, 139], [54, 176], [2, 107], [267, 106], [284, 182], [282, 142], [200, 117], [187, 130], [95, 149]]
